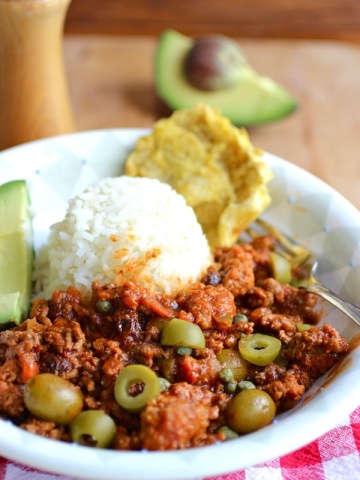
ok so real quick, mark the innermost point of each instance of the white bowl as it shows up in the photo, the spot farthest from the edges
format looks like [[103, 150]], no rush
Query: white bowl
[[302, 206]]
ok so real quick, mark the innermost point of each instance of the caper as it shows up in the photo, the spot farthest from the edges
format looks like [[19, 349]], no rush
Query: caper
[[259, 349], [230, 387], [245, 385], [130, 376], [164, 384], [50, 397], [182, 333], [226, 375], [93, 428], [240, 318], [250, 410], [184, 350], [103, 306]]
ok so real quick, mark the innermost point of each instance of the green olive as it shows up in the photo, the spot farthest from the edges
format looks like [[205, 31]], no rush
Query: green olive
[[259, 349], [50, 397], [302, 327], [93, 428], [158, 322], [182, 333], [280, 267], [228, 433], [234, 361], [250, 410], [167, 368], [131, 376]]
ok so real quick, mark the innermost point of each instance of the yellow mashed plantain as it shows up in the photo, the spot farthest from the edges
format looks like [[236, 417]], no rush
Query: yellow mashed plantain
[[212, 164]]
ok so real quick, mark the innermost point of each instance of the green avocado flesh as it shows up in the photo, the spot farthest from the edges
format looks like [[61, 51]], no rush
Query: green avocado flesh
[[16, 252], [253, 100], [10, 309]]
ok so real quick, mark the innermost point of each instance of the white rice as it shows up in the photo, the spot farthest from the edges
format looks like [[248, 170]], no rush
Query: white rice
[[123, 228]]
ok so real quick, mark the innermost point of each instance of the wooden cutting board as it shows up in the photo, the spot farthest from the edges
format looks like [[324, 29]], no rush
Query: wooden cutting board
[[111, 83]]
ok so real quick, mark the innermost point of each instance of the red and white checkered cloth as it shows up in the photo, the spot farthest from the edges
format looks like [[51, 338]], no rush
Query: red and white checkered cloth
[[334, 456]]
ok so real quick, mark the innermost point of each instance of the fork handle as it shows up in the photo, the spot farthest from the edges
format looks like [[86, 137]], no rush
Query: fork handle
[[346, 307]]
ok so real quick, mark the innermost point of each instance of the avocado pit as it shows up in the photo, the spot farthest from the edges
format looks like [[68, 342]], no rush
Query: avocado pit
[[214, 62]]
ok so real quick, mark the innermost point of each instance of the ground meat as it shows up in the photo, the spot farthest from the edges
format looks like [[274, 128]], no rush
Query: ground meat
[[293, 301], [134, 295], [212, 277], [199, 371], [267, 374], [46, 429], [11, 399], [147, 352], [256, 297], [288, 389], [90, 346], [274, 322], [317, 349], [178, 419], [57, 364], [208, 305], [65, 335], [229, 337], [236, 269]]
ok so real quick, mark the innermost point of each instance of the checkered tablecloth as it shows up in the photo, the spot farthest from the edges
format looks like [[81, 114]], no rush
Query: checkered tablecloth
[[334, 456]]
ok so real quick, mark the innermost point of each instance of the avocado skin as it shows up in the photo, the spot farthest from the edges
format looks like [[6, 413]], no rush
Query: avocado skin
[[16, 252], [254, 100]]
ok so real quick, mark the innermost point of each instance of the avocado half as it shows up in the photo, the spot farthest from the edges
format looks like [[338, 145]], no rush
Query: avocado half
[[255, 99]]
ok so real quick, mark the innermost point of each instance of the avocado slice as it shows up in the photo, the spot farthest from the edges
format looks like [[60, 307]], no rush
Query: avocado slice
[[10, 309], [16, 251], [253, 100]]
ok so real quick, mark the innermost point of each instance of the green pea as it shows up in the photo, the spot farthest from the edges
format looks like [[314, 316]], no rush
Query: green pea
[[250, 410], [281, 268], [259, 349], [93, 428], [182, 333], [50, 397], [130, 376]]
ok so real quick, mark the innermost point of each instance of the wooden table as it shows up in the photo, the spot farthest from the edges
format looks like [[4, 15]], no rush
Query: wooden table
[[112, 85]]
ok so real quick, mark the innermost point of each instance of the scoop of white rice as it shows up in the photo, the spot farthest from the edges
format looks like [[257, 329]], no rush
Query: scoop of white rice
[[124, 228]]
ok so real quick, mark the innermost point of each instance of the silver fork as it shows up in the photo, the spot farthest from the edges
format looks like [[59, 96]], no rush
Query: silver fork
[[305, 263]]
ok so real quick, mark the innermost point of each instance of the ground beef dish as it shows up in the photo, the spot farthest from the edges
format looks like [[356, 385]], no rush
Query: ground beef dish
[[89, 348]]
